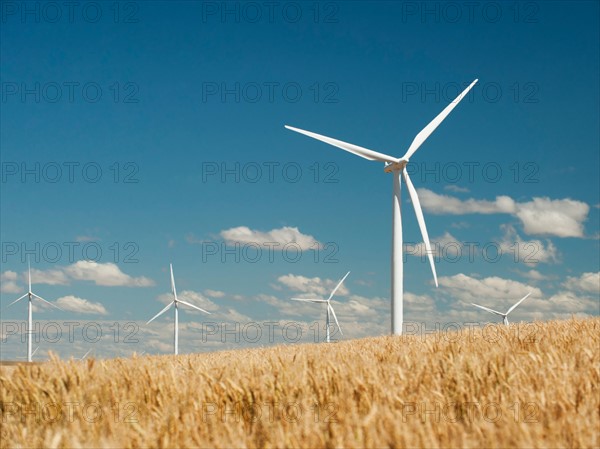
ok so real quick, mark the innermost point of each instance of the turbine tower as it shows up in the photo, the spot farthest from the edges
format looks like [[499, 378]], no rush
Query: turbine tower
[[503, 315], [329, 308], [176, 301], [397, 166], [30, 295]]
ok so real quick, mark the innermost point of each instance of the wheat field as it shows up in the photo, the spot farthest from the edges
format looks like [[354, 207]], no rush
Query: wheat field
[[513, 388]]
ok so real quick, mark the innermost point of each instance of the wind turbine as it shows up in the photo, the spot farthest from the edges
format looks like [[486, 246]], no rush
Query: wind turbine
[[396, 166], [30, 295], [176, 302], [504, 315], [329, 307]]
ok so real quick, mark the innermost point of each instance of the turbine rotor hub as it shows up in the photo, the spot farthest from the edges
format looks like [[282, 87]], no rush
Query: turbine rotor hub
[[395, 166]]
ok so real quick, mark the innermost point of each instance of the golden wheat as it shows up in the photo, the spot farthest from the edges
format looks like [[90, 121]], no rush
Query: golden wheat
[[515, 388]]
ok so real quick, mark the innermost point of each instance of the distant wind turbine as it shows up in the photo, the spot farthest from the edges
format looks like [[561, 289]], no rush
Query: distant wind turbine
[[31, 295], [176, 301], [329, 308], [396, 166], [503, 315]]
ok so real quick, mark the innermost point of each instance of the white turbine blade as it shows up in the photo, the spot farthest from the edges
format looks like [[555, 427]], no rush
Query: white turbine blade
[[161, 312], [173, 290], [34, 351], [426, 132], [17, 300], [193, 306], [489, 310], [335, 318], [47, 302], [419, 213], [515, 306], [351, 148], [86, 354], [309, 300], [338, 286], [29, 271]]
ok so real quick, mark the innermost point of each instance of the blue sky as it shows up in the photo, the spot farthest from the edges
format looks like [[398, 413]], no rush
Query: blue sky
[[167, 93]]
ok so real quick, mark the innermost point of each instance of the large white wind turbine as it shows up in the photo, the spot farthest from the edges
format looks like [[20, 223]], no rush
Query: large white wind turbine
[[176, 301], [30, 295], [396, 166], [329, 308], [503, 315]]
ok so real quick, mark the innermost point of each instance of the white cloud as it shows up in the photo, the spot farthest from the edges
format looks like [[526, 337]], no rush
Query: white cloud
[[282, 236], [540, 216], [534, 275], [214, 293], [50, 277], [529, 252], [8, 282], [446, 245], [491, 289], [313, 286], [105, 274], [587, 282], [455, 188], [563, 218], [80, 305], [446, 204]]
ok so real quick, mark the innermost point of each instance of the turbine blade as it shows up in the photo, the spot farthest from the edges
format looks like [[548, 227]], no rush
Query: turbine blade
[[173, 290], [86, 354], [162, 311], [338, 286], [335, 318], [419, 213], [351, 148], [309, 300], [515, 306], [34, 351], [489, 310], [17, 300], [47, 302], [193, 306], [426, 132], [29, 271]]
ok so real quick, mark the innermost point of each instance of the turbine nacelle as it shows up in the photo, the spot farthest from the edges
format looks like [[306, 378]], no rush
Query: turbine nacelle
[[395, 166]]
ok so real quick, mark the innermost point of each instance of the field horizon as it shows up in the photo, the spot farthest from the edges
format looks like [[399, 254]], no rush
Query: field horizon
[[525, 385]]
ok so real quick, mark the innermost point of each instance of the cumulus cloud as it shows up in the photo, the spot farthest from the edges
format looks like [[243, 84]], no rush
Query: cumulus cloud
[[80, 305], [563, 218], [312, 286], [446, 245], [587, 282], [50, 277], [282, 236], [540, 216], [455, 188], [8, 282], [449, 205], [105, 274], [529, 252], [214, 293], [492, 289]]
